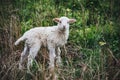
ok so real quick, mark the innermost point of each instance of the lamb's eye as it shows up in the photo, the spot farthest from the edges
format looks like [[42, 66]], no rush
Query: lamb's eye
[[59, 21]]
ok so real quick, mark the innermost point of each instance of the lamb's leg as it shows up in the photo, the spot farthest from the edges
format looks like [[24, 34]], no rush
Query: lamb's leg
[[58, 57], [51, 64], [32, 54], [51, 57], [24, 55]]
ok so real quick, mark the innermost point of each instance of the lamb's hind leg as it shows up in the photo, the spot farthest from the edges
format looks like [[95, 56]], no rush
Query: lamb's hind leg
[[32, 54], [24, 55]]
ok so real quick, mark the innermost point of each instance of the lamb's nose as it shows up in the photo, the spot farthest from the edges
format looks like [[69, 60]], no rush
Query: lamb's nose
[[64, 26]]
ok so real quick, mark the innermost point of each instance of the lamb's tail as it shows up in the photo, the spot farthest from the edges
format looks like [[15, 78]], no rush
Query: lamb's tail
[[19, 40]]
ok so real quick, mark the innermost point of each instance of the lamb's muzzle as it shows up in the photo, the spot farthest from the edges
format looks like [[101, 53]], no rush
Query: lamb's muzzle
[[51, 37]]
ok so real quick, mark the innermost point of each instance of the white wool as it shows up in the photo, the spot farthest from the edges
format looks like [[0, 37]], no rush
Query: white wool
[[51, 37]]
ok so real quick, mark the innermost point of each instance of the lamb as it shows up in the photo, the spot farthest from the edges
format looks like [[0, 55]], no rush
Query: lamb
[[50, 37]]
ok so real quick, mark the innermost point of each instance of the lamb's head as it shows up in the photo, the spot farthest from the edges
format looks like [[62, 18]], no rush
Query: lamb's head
[[63, 22]]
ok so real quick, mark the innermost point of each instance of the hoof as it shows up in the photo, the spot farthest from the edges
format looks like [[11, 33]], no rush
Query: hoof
[[20, 67], [58, 63]]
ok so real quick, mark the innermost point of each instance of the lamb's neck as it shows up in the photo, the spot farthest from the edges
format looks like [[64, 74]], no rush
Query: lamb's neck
[[63, 33]]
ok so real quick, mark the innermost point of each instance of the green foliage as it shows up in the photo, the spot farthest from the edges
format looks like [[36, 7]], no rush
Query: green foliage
[[95, 34], [26, 25], [93, 29], [88, 37]]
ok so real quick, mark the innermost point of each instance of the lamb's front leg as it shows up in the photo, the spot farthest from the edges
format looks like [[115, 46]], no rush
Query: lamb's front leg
[[58, 57], [51, 57], [51, 63]]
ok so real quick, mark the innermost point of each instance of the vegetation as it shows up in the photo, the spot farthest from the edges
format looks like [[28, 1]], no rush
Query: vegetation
[[93, 48]]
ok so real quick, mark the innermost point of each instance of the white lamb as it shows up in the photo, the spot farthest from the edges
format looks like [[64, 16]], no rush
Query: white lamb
[[51, 37]]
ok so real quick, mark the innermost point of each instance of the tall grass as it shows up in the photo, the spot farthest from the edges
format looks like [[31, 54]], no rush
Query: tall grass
[[92, 51]]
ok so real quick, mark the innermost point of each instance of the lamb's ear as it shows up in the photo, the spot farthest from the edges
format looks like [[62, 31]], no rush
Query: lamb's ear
[[56, 19], [72, 20]]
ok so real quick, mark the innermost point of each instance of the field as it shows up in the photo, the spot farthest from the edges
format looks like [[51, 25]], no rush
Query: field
[[93, 48]]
